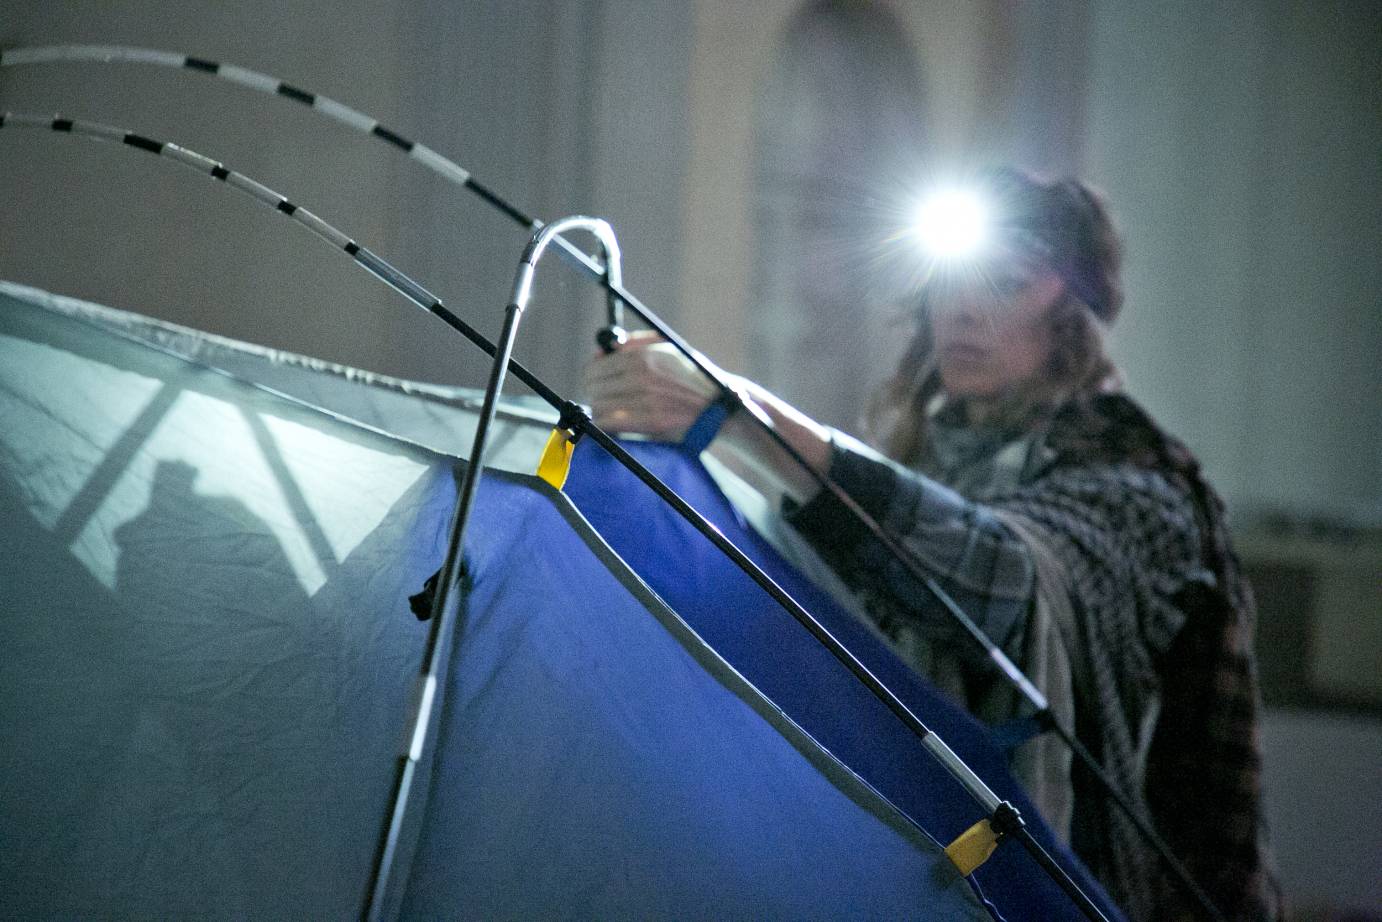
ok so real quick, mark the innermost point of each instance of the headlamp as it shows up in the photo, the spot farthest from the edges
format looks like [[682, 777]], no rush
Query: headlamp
[[1006, 221], [952, 224]]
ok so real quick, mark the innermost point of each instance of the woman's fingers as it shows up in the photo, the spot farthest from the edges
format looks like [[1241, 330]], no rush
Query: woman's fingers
[[642, 338], [646, 386], [660, 411]]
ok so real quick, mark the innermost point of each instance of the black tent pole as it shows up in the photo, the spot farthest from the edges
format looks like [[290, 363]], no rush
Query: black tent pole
[[456, 174], [1002, 815]]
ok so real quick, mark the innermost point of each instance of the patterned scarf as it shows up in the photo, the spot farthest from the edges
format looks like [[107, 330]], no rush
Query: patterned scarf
[[1199, 776]]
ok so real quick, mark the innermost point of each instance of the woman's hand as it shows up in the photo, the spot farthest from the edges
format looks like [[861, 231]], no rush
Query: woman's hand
[[647, 387]]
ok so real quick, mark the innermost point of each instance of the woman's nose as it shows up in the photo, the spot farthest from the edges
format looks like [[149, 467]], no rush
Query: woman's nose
[[964, 308]]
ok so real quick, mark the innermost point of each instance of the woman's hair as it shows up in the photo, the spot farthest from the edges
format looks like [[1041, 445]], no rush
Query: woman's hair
[[1068, 227]]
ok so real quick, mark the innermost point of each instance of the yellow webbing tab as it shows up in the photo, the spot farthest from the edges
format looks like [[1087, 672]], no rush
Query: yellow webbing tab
[[556, 457], [972, 847]]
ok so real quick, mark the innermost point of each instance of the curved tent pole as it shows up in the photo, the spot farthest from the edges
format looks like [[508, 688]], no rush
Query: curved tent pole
[[1001, 819], [430, 698], [429, 701], [729, 399]]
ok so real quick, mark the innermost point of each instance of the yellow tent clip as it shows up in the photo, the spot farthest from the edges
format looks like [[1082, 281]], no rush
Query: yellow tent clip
[[555, 463], [972, 847]]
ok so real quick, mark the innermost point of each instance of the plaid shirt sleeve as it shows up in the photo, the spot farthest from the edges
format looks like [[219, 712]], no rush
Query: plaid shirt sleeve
[[1163, 624], [962, 545]]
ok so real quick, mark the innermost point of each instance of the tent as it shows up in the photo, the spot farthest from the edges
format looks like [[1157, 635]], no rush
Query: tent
[[206, 556]]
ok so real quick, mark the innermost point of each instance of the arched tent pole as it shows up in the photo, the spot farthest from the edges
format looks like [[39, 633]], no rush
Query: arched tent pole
[[729, 400], [1001, 819]]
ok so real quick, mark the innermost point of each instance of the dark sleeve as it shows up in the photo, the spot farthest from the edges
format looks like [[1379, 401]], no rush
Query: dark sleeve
[[960, 544]]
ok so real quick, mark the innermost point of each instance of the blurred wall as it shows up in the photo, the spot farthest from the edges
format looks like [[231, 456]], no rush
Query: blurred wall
[[1239, 147], [1242, 145]]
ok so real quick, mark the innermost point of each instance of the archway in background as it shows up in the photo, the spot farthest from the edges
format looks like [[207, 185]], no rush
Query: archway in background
[[838, 142]]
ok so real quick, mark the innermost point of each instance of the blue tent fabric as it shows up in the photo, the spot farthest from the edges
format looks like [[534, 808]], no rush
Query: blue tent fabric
[[589, 764], [207, 652], [744, 625]]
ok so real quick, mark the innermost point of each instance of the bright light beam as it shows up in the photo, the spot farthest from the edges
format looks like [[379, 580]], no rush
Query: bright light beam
[[952, 224]]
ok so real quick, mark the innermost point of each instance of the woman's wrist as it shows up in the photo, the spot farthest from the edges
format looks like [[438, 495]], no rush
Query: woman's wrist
[[755, 447]]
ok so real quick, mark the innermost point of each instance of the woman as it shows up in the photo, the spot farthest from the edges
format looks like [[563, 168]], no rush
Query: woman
[[1077, 534]]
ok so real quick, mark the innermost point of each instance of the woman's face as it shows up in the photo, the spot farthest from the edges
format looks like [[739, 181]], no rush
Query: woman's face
[[994, 335]]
